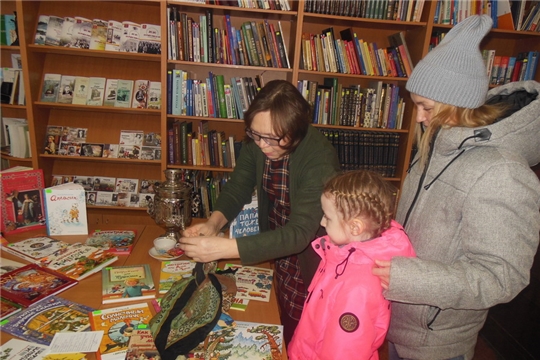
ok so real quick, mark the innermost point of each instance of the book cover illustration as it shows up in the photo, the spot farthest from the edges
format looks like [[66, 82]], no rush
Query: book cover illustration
[[65, 208], [242, 340], [141, 345], [32, 283], [35, 248], [8, 308], [21, 194], [103, 183], [253, 283], [154, 95], [92, 150], [39, 322], [78, 261], [51, 82], [52, 139], [119, 242], [124, 93], [96, 91], [172, 271], [66, 356], [65, 89], [140, 98], [118, 324], [247, 221], [16, 349], [149, 39], [41, 32], [127, 283]]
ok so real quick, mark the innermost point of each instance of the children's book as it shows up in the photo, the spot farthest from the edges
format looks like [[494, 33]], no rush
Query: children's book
[[35, 248], [32, 283], [66, 356], [16, 349], [78, 261], [65, 208], [21, 195], [247, 221], [118, 324], [7, 265], [39, 322], [118, 242], [242, 340], [172, 271], [141, 345], [253, 283], [127, 283], [8, 308]]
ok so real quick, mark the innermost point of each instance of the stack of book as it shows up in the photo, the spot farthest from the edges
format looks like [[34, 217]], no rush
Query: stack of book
[[401, 10]]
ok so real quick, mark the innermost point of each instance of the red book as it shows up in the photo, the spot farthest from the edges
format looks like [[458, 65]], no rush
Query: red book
[[21, 193], [32, 283]]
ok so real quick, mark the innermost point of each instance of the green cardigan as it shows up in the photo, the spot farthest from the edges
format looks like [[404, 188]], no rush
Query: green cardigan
[[312, 163]]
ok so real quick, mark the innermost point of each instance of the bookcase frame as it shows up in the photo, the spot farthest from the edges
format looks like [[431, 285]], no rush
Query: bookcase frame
[[105, 123]]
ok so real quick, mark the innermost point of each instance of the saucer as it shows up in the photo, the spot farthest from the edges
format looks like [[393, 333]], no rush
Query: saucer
[[153, 253]]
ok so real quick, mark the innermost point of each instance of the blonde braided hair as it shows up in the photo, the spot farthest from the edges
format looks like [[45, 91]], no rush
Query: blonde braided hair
[[363, 194]]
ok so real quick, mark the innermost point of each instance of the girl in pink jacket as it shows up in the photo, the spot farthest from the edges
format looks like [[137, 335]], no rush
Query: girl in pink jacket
[[345, 315]]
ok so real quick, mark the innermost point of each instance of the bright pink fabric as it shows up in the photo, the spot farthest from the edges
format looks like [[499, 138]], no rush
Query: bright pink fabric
[[345, 315]]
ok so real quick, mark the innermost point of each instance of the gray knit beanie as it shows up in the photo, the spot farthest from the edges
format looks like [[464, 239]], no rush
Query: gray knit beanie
[[454, 72]]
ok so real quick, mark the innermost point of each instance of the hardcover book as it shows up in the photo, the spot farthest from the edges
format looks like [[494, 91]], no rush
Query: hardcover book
[[78, 261], [242, 340], [32, 283], [118, 242], [118, 324], [51, 83], [127, 283], [253, 283], [172, 271], [141, 345], [39, 322], [35, 248], [17, 349], [21, 194], [65, 209], [8, 308], [247, 221]]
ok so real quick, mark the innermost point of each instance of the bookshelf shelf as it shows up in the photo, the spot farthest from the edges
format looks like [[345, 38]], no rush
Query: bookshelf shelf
[[105, 123]]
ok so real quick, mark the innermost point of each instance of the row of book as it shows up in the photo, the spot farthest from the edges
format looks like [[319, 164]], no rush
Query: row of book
[[367, 150], [112, 191], [506, 14], [98, 34], [71, 141], [249, 4], [400, 10], [212, 97], [12, 86], [8, 30], [203, 147], [99, 91], [506, 69], [16, 137], [376, 106], [251, 44]]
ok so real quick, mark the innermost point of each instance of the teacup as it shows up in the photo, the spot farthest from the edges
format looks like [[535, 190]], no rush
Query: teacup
[[164, 244]]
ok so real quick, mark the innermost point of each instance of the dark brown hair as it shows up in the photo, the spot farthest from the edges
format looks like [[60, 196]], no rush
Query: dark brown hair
[[289, 111], [363, 194]]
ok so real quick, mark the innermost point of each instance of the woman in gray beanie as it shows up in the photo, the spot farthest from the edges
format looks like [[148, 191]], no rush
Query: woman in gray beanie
[[469, 202]]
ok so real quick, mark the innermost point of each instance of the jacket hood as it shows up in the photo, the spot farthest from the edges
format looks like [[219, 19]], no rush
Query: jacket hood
[[517, 132]]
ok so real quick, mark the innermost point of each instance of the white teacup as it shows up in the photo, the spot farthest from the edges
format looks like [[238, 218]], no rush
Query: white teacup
[[164, 244]]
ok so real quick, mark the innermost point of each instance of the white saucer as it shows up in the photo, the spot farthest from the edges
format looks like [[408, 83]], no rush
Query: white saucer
[[153, 253]]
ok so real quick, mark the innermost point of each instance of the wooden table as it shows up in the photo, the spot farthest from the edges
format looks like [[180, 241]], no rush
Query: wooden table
[[88, 291]]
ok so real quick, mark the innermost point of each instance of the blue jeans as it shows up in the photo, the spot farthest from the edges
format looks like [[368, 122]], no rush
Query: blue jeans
[[393, 355]]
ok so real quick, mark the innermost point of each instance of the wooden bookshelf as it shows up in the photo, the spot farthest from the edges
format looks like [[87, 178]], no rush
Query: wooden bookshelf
[[104, 123]]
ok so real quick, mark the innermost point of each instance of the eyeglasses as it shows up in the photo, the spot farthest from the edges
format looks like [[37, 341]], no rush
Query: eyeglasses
[[269, 140]]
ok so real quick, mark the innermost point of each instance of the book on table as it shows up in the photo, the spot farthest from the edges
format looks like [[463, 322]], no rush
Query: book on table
[[35, 248], [141, 345], [127, 283], [8, 308], [8, 265], [65, 209], [17, 349], [118, 324], [39, 322], [253, 283], [21, 194], [119, 242], [32, 283], [172, 271]]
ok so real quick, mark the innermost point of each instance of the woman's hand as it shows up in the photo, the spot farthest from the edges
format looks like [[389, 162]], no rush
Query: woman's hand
[[382, 270], [209, 248]]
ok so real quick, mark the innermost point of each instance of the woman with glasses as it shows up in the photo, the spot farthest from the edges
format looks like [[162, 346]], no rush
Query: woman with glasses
[[287, 161]]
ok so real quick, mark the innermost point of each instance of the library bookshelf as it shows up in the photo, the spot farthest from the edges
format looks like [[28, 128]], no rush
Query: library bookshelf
[[104, 124]]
